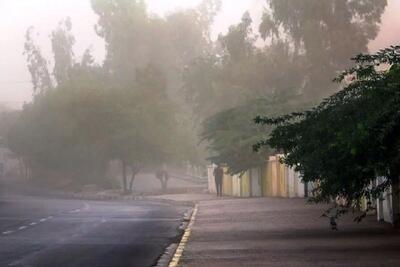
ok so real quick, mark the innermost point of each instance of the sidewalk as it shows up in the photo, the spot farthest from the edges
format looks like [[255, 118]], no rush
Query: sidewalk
[[284, 232]]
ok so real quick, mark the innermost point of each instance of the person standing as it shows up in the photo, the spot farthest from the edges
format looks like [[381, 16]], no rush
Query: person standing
[[218, 175]]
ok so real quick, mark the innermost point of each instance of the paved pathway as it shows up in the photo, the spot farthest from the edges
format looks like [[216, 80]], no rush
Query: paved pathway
[[284, 232]]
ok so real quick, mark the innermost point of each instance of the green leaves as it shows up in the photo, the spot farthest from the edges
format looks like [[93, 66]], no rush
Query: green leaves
[[231, 135], [352, 137]]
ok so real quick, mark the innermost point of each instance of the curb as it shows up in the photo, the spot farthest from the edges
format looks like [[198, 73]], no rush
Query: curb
[[182, 244], [169, 252], [170, 201]]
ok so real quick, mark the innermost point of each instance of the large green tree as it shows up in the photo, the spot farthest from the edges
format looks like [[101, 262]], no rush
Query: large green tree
[[327, 33], [239, 71], [352, 137], [230, 135], [145, 128], [37, 64], [291, 70], [134, 40], [306, 43], [62, 42]]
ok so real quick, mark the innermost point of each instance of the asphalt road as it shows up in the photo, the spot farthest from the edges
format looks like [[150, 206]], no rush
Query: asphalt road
[[43, 232]]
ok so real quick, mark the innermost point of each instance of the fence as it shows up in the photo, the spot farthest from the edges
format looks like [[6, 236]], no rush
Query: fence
[[273, 179]]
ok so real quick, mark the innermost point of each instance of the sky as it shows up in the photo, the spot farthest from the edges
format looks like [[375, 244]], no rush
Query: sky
[[17, 15]]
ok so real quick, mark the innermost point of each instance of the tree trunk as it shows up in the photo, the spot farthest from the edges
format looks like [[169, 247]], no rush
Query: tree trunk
[[131, 182], [27, 176], [124, 180], [164, 183], [396, 200], [136, 167]]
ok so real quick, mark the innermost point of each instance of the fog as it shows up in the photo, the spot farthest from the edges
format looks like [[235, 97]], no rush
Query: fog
[[44, 15], [173, 54], [116, 116], [63, 45]]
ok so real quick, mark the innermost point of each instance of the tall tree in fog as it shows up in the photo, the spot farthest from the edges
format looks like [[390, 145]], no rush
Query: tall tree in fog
[[62, 42], [135, 40], [327, 33], [124, 26], [144, 126], [306, 43], [239, 71], [37, 64]]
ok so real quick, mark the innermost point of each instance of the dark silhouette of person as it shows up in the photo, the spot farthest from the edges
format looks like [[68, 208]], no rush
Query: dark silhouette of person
[[218, 175]]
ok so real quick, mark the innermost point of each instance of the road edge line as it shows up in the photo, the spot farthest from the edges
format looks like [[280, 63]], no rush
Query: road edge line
[[185, 237]]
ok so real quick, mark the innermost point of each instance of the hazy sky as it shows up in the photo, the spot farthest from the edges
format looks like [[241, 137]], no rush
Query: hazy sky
[[44, 15]]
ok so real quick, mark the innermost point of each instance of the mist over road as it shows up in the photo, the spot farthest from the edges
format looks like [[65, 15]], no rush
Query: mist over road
[[49, 232]]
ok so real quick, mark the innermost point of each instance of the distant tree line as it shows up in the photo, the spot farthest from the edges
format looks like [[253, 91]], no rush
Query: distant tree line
[[129, 108]]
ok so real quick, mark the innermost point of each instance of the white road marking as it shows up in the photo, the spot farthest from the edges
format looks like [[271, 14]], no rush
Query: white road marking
[[22, 227], [32, 223], [42, 220], [74, 211], [7, 232], [50, 217]]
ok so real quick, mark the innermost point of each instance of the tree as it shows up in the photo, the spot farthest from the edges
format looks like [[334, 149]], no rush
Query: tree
[[62, 42], [135, 40], [230, 135], [239, 72], [144, 132], [228, 90], [352, 137], [320, 30], [291, 70], [37, 64], [303, 50], [163, 176], [60, 133]]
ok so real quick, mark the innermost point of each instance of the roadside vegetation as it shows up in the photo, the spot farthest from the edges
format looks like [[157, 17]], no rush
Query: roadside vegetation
[[165, 85], [351, 138]]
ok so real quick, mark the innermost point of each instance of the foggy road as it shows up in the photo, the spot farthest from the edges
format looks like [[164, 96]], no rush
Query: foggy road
[[53, 232]]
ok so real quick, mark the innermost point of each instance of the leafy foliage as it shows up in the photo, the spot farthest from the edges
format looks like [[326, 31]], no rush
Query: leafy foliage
[[241, 72], [37, 64], [352, 137], [230, 135], [285, 71], [121, 110], [62, 43], [320, 30], [74, 130], [135, 40]]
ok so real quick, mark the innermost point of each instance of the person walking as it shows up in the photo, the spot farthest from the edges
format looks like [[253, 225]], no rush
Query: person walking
[[218, 175]]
